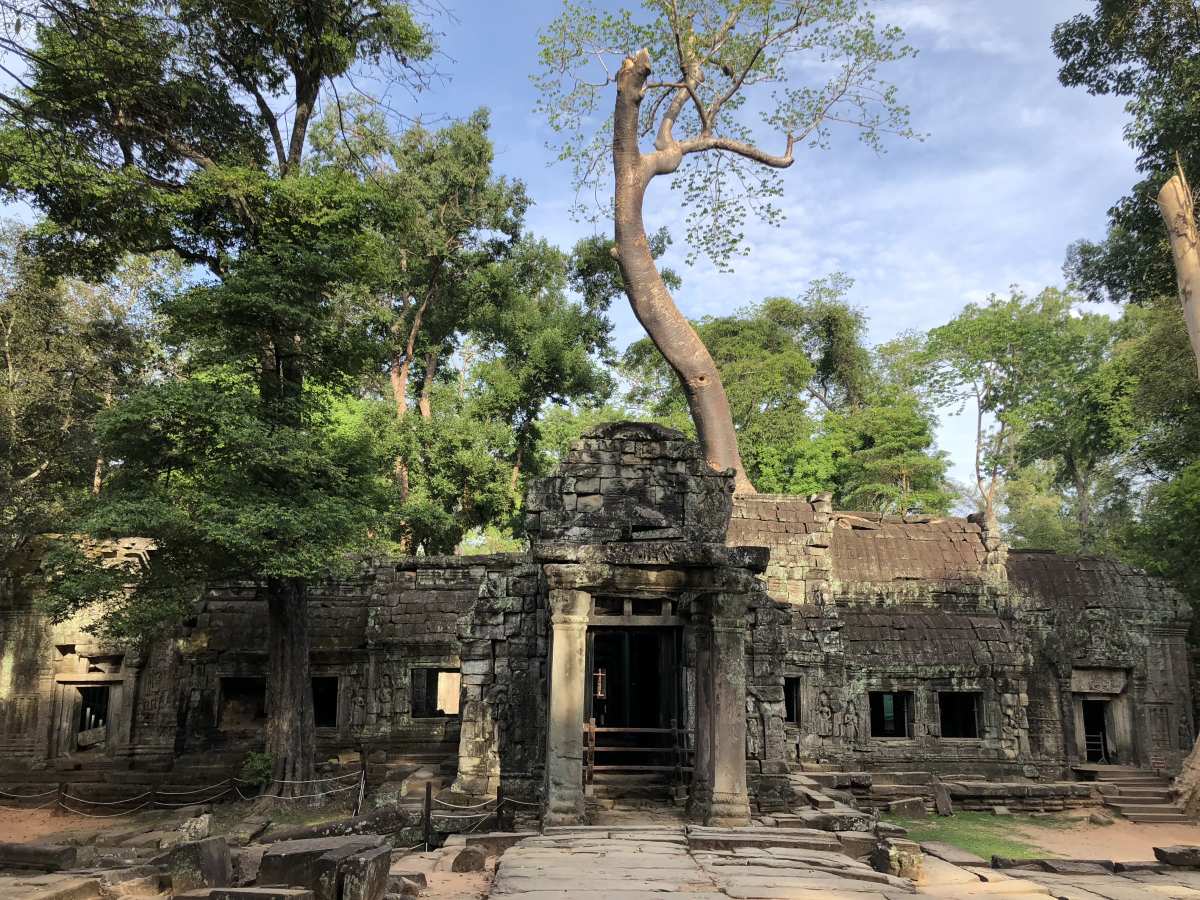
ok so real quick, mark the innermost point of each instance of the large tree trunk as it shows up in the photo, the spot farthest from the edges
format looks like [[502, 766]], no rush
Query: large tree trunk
[[290, 726], [425, 400], [1187, 783], [1178, 209], [672, 334]]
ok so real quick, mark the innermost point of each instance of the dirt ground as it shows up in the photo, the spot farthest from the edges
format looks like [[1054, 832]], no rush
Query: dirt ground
[[1122, 841], [22, 826]]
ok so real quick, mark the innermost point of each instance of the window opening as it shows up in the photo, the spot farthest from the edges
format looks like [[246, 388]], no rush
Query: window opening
[[435, 692], [325, 701], [243, 703], [959, 713], [791, 700], [891, 714]]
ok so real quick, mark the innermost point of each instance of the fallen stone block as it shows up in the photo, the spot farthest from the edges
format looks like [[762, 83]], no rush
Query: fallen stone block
[[198, 864], [396, 879], [941, 800], [1078, 866], [857, 844], [364, 876], [898, 857], [1100, 818], [296, 862], [195, 829], [1179, 855], [245, 831], [42, 857], [1001, 811], [952, 854], [469, 859], [910, 808], [246, 862]]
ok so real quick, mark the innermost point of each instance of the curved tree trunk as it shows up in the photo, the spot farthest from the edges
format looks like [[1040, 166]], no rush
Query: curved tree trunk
[[672, 334], [1177, 206], [291, 730]]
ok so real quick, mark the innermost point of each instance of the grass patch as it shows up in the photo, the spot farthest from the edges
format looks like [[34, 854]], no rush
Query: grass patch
[[982, 833]]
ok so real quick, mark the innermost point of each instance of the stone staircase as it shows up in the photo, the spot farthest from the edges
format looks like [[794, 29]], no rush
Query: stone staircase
[[1139, 795], [632, 790]]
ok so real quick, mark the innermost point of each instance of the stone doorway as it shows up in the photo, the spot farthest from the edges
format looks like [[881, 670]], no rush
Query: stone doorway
[[1095, 731], [635, 677]]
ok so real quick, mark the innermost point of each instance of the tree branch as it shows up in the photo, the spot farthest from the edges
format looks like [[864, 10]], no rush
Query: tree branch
[[749, 151]]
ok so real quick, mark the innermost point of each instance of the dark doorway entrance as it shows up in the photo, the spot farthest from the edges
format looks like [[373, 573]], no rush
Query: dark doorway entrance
[[1095, 731], [635, 678]]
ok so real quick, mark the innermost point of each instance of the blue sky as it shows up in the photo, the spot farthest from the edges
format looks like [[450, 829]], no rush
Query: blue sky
[[1014, 168]]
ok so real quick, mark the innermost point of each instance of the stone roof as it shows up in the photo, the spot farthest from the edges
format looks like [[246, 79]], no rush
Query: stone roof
[[869, 548], [1087, 581], [929, 637]]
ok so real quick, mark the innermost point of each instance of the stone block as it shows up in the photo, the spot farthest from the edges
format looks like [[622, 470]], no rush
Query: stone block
[[952, 854], [43, 857], [911, 808], [469, 859], [1179, 855], [364, 876], [858, 844], [941, 800], [300, 862], [245, 863], [198, 864]]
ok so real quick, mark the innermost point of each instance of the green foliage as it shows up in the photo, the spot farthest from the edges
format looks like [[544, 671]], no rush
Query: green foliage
[[257, 768], [68, 350], [1164, 540], [1146, 51], [814, 410], [785, 67]]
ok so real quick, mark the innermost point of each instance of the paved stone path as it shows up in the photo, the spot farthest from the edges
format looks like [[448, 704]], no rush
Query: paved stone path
[[656, 863]]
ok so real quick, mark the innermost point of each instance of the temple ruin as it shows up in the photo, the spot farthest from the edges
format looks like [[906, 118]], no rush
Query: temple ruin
[[662, 635]]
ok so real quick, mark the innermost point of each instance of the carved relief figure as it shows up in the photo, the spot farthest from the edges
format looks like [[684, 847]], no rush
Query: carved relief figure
[[850, 725], [824, 716]]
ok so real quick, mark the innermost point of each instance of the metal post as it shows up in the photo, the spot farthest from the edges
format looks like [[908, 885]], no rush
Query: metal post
[[428, 814], [500, 807]]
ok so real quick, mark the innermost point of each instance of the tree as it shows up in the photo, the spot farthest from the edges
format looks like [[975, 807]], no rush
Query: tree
[[184, 128], [716, 54], [814, 410], [988, 358], [537, 347], [69, 350], [1148, 51]]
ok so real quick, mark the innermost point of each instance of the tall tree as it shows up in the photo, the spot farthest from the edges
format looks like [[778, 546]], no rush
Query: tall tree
[[185, 127], [1149, 52], [68, 350], [715, 56]]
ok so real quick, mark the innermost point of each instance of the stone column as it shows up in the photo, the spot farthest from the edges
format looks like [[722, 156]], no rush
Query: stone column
[[564, 732], [719, 795]]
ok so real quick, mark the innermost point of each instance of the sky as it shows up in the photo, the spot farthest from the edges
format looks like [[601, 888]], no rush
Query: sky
[[1014, 168]]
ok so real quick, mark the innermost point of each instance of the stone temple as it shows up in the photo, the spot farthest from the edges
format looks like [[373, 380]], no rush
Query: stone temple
[[662, 637]]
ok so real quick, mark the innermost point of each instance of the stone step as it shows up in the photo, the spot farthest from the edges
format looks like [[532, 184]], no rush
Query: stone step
[[1147, 792], [1162, 818], [1137, 809]]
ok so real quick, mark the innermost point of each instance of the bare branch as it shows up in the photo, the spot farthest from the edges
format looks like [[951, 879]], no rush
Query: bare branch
[[741, 148]]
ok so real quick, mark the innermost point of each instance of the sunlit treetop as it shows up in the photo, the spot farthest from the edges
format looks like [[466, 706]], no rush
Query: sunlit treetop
[[727, 75]]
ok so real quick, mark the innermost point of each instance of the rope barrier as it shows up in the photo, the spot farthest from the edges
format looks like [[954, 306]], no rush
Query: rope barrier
[[474, 806], [520, 802], [349, 787], [457, 816], [67, 796], [196, 791], [310, 781], [128, 812], [29, 796], [166, 805]]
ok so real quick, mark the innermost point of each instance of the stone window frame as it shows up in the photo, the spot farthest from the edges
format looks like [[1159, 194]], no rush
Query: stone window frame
[[439, 665], [340, 717], [981, 726], [895, 688]]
